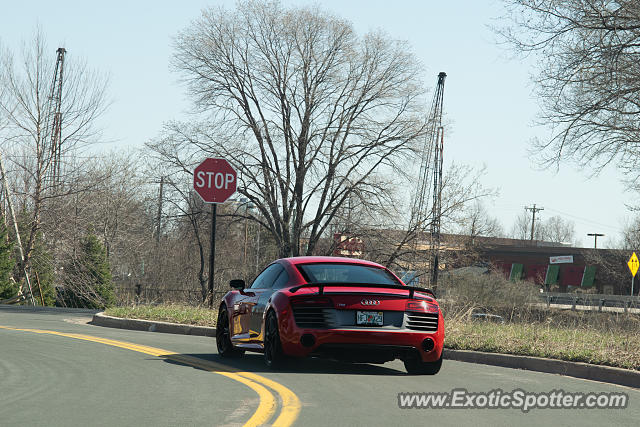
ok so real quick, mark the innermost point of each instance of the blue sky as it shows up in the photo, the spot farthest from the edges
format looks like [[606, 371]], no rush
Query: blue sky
[[488, 98]]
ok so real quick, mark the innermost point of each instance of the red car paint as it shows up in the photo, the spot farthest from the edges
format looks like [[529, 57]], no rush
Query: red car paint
[[249, 307]]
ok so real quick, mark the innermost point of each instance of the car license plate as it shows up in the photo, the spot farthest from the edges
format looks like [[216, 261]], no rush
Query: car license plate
[[369, 318]]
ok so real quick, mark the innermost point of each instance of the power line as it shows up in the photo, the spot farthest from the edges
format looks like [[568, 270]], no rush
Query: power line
[[509, 207], [585, 220]]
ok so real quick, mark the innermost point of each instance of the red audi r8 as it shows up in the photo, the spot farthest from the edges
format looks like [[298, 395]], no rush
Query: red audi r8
[[341, 308]]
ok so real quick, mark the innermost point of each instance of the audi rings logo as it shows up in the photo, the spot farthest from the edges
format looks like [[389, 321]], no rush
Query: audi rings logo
[[370, 302]]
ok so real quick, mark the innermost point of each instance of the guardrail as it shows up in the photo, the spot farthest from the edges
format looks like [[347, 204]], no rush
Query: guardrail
[[592, 300]]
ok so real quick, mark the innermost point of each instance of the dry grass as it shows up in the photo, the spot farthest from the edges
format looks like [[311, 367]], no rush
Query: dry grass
[[612, 348], [200, 316], [611, 339]]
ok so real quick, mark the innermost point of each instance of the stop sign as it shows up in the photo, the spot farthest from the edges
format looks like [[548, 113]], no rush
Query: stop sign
[[214, 180]]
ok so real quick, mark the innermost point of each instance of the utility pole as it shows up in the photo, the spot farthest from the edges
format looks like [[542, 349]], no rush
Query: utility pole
[[246, 234], [533, 221], [159, 218], [258, 249], [595, 238]]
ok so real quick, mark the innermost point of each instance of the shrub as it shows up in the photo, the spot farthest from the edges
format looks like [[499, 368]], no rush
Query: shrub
[[466, 293]]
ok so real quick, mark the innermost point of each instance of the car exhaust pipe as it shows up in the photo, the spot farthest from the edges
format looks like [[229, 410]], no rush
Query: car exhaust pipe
[[307, 340], [428, 344]]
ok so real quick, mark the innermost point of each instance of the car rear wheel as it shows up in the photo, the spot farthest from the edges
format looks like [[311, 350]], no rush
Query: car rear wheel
[[273, 355], [223, 335], [418, 367]]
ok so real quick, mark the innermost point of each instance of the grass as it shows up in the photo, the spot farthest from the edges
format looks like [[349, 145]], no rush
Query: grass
[[610, 339], [175, 313], [601, 338], [606, 347]]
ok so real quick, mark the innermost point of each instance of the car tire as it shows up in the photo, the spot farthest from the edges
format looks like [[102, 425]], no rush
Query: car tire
[[273, 355], [223, 335], [416, 366]]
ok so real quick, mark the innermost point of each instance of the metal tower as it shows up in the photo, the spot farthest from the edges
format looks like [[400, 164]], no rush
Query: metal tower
[[55, 112], [430, 180]]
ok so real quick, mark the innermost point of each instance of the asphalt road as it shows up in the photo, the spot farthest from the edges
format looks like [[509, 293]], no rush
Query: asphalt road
[[56, 370]]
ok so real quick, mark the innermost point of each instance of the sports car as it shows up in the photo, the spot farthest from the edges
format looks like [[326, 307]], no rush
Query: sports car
[[340, 308]]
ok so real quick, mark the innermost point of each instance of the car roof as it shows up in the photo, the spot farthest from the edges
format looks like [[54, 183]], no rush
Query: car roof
[[328, 259]]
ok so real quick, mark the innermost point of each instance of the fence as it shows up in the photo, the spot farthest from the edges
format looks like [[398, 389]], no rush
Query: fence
[[591, 300]]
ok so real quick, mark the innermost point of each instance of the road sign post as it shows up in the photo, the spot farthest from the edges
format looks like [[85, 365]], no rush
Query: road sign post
[[212, 251], [215, 181], [633, 264]]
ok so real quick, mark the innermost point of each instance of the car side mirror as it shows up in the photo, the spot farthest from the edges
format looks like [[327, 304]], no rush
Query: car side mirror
[[237, 284]]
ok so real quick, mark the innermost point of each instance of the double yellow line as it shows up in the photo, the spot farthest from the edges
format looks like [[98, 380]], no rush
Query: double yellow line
[[290, 404]]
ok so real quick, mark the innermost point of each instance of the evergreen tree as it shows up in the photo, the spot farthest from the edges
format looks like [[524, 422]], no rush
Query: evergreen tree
[[8, 288], [88, 282]]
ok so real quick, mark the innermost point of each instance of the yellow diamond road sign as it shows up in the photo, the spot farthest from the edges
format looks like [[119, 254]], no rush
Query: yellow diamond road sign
[[633, 264]]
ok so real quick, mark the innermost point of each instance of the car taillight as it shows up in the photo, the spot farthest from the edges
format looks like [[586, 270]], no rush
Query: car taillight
[[312, 302], [421, 306]]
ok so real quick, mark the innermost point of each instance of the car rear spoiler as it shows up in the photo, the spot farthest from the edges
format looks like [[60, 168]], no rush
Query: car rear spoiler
[[321, 286]]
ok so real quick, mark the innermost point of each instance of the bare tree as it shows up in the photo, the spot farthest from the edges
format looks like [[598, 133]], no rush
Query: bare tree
[[588, 77], [310, 114], [117, 210], [521, 228], [556, 229], [26, 107], [630, 239], [405, 247], [476, 221], [191, 209], [553, 229]]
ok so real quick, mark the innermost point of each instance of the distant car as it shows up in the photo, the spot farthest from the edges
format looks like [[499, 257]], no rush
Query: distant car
[[340, 308]]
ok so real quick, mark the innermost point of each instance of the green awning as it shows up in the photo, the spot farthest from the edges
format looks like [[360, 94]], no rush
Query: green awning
[[516, 272], [553, 270], [589, 276]]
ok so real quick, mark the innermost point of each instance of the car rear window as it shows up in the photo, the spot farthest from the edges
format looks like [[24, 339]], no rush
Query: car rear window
[[346, 273]]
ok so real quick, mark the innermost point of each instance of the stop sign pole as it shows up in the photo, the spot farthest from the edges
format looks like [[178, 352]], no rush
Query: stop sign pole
[[215, 181]]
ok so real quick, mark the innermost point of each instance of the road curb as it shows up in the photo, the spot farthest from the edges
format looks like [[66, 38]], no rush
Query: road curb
[[87, 311], [585, 371], [101, 319]]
